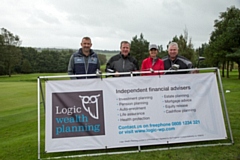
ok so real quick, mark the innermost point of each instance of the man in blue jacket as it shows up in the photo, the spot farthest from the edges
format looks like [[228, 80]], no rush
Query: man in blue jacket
[[84, 61]]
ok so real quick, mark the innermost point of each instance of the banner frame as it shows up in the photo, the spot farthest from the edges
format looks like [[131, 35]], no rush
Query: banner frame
[[40, 96]]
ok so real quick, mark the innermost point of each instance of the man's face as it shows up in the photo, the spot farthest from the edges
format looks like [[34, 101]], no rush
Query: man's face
[[86, 45], [125, 49], [172, 52]]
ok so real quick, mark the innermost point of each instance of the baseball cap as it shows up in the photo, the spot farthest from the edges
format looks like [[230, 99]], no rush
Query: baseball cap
[[153, 46]]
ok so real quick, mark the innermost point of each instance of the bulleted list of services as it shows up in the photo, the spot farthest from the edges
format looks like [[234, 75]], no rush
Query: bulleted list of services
[[133, 108], [177, 103]]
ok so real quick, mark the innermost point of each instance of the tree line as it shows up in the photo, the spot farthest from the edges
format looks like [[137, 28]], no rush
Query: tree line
[[223, 50], [16, 59]]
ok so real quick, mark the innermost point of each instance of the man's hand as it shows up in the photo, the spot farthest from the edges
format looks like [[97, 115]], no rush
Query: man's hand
[[116, 74], [194, 71]]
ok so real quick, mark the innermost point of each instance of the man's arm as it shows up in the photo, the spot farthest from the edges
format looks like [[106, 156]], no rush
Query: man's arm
[[135, 62], [109, 66], [98, 63], [71, 67]]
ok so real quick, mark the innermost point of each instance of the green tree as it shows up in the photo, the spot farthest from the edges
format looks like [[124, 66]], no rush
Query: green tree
[[200, 53], [64, 59], [10, 52], [225, 38], [28, 54], [161, 53], [185, 46], [2, 67], [236, 58], [102, 58], [52, 61], [139, 48], [26, 66]]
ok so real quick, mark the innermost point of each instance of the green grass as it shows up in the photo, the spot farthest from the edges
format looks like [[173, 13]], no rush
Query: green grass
[[27, 77], [18, 120], [18, 125]]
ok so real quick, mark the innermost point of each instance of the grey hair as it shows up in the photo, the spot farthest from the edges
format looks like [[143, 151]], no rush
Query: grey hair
[[173, 44]]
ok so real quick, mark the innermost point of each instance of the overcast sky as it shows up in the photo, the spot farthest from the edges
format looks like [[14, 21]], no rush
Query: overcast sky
[[63, 23]]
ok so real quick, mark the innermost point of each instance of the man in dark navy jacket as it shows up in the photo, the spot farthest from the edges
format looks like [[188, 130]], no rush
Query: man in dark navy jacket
[[84, 61]]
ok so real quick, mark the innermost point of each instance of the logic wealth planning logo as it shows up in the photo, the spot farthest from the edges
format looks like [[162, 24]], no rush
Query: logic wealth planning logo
[[76, 114]]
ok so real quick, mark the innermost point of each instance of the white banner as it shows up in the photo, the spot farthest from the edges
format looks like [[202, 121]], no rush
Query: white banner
[[132, 111]]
